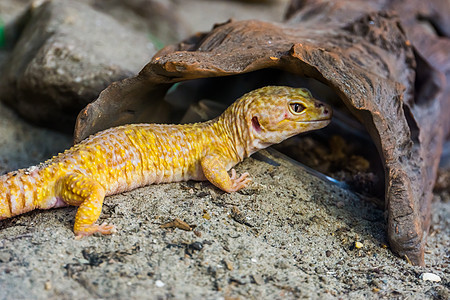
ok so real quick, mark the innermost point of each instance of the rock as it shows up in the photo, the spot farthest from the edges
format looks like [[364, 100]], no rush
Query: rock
[[5, 257], [22, 145], [430, 277], [159, 283], [161, 18], [66, 54]]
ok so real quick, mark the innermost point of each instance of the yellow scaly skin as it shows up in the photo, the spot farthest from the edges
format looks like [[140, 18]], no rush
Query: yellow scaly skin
[[126, 157]]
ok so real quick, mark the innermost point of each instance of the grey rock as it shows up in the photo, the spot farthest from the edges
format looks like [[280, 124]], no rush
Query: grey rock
[[5, 257], [66, 55], [159, 17]]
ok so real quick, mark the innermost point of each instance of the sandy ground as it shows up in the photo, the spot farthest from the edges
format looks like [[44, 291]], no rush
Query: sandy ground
[[288, 235]]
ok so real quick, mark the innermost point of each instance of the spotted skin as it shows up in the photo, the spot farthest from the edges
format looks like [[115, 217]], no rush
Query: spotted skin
[[126, 157]]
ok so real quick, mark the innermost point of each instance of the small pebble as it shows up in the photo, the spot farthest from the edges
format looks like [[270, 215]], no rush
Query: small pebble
[[48, 285], [430, 277], [206, 216], [83, 261], [196, 246], [281, 264], [5, 256], [258, 279], [358, 245], [159, 283], [320, 270], [228, 265]]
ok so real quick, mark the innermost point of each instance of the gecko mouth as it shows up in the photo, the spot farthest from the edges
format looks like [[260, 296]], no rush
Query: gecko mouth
[[317, 121]]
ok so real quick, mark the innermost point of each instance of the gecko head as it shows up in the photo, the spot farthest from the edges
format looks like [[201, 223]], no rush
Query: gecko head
[[279, 112]]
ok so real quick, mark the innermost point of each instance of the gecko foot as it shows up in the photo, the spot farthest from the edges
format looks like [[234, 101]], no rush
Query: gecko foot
[[86, 230], [239, 183]]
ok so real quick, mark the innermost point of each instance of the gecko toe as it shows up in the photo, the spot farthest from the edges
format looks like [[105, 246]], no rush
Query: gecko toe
[[88, 230], [233, 174], [241, 182]]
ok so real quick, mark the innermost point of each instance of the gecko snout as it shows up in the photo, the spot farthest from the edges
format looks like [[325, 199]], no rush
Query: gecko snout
[[325, 108]]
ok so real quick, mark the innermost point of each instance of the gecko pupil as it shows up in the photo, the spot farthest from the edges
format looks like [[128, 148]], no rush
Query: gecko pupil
[[297, 107]]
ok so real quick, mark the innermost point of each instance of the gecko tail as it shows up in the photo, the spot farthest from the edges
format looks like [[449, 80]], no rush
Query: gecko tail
[[17, 193]]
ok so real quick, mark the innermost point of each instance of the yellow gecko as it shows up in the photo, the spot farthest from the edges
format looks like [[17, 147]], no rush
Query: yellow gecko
[[126, 157]]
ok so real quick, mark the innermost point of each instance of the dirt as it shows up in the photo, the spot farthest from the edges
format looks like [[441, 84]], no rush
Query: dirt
[[288, 235]]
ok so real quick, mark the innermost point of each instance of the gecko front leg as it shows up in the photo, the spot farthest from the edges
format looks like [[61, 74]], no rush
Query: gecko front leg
[[80, 190], [215, 172]]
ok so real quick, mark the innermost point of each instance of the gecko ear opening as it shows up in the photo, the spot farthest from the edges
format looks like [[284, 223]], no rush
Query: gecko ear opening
[[255, 124]]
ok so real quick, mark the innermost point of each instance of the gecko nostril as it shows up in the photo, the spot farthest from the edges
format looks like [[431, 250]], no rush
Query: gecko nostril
[[325, 111]]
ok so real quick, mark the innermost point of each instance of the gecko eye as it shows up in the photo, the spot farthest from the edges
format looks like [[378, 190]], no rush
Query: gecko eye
[[297, 107]]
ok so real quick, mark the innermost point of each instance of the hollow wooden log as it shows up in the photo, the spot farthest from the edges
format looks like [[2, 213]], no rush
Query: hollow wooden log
[[358, 48]]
